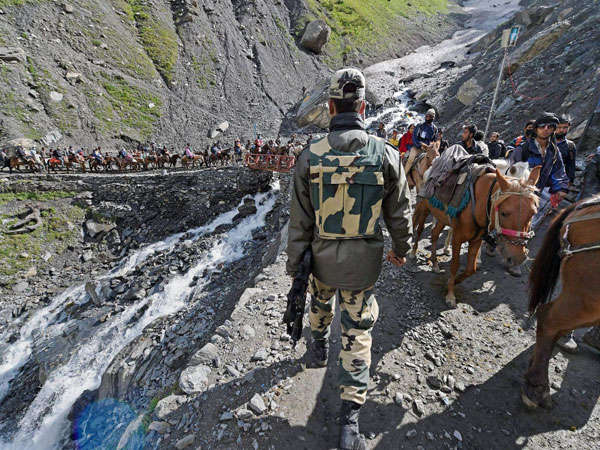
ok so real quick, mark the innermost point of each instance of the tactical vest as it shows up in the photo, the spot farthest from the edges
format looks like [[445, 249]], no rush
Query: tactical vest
[[347, 189]]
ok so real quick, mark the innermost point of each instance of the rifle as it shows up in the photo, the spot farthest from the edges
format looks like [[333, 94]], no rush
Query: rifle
[[296, 298]]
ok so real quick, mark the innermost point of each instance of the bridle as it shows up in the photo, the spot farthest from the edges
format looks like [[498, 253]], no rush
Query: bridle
[[494, 230]]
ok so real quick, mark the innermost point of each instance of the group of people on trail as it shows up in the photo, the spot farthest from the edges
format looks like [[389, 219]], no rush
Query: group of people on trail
[[337, 199]]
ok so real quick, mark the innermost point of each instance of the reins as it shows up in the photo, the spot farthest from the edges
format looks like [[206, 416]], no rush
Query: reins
[[497, 231]]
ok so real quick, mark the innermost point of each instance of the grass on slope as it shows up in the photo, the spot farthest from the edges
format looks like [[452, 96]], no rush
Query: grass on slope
[[7, 3], [359, 22], [137, 108], [158, 39]]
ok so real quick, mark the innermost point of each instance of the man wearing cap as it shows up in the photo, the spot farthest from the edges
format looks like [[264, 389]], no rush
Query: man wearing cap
[[567, 148], [542, 150], [342, 184], [424, 134]]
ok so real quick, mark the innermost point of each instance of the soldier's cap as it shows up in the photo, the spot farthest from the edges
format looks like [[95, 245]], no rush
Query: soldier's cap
[[430, 112], [345, 78]]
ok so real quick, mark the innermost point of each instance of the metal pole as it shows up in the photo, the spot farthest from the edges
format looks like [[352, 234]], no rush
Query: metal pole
[[487, 126]]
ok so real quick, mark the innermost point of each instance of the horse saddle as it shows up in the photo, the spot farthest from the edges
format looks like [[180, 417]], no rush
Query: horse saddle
[[451, 192]]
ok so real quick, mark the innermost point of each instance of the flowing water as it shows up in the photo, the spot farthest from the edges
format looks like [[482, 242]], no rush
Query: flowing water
[[45, 422]]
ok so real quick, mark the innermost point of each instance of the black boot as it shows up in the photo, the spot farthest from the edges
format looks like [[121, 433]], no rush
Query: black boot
[[350, 437], [318, 352]]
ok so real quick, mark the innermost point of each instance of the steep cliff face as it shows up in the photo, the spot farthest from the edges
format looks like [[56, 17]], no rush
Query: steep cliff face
[[92, 72]]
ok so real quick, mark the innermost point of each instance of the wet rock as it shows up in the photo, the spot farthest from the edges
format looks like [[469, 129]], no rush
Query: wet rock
[[206, 355], [159, 427], [315, 36], [257, 405], [94, 229], [194, 379], [185, 442], [168, 405]]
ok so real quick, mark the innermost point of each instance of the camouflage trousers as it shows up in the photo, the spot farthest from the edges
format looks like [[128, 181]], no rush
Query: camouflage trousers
[[359, 313]]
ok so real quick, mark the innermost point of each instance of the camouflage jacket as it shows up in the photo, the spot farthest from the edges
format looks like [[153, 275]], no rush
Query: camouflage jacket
[[349, 263]]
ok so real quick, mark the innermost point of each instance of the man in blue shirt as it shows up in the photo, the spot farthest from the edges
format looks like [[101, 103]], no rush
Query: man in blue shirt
[[542, 150], [424, 134], [567, 148]]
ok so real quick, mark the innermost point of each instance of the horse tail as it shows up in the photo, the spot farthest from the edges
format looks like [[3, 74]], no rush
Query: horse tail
[[546, 268]]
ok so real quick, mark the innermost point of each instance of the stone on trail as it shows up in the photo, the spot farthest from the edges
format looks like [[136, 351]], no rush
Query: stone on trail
[[169, 405], [257, 404], [434, 382], [206, 355], [194, 379], [226, 416], [411, 434], [469, 91], [68, 8], [457, 435], [260, 355], [94, 228], [247, 332], [316, 34]]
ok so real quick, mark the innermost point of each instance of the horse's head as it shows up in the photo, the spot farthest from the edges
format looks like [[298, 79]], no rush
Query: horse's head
[[513, 208], [433, 151]]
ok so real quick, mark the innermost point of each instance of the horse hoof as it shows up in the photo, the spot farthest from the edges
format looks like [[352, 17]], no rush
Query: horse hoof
[[451, 301], [529, 404]]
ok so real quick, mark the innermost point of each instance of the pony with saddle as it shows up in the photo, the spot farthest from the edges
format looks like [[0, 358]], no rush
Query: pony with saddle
[[469, 194], [416, 172], [570, 252]]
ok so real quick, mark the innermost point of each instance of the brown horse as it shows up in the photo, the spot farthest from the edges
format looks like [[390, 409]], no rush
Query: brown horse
[[421, 163], [73, 160], [173, 160], [187, 161], [15, 163], [571, 251], [502, 206]]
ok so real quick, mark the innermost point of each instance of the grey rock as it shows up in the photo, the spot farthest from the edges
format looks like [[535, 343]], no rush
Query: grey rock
[[159, 427], [168, 405], [194, 379], [56, 97], [232, 371], [87, 256], [134, 294], [260, 355], [411, 433], [206, 355], [185, 442], [243, 414], [226, 416], [469, 91], [68, 8], [434, 382], [247, 332], [52, 137], [314, 109], [257, 404], [315, 36], [20, 287], [12, 54], [95, 228]]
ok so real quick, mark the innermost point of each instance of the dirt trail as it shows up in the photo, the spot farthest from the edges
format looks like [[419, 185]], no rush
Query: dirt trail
[[440, 378]]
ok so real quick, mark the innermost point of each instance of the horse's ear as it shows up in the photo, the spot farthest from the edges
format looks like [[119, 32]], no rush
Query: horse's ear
[[534, 176], [502, 181]]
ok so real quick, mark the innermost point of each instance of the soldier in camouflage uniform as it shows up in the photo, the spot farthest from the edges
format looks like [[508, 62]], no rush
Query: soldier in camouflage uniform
[[343, 183]]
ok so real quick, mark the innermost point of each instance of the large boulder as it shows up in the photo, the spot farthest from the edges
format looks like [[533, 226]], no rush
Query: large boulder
[[314, 109], [316, 34], [12, 54], [469, 91], [194, 379]]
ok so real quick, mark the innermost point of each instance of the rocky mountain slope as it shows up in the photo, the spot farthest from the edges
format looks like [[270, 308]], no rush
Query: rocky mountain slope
[[554, 67], [88, 72]]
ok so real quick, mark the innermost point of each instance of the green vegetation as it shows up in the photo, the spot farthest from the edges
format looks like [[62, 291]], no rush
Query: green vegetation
[[21, 251], [40, 196], [134, 107], [7, 3], [96, 42], [158, 39], [356, 23], [204, 65]]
